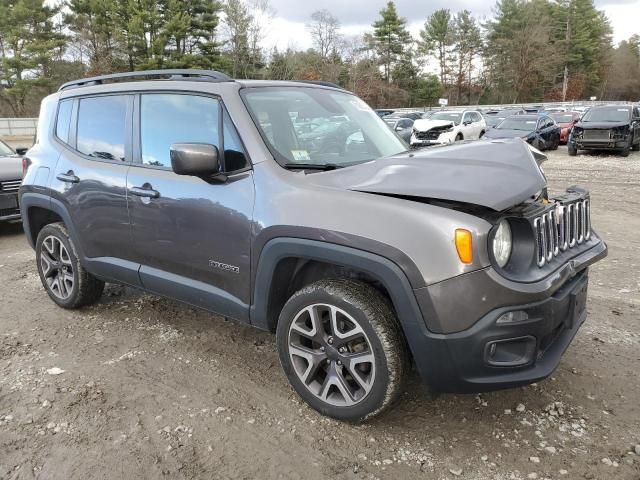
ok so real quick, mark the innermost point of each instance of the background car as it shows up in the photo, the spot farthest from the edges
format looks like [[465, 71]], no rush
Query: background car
[[383, 112], [10, 179], [448, 126], [566, 121], [540, 131], [614, 127], [494, 117], [401, 125]]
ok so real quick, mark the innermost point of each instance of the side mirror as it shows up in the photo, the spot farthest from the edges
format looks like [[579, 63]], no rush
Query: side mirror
[[195, 159], [467, 122], [399, 128], [22, 150]]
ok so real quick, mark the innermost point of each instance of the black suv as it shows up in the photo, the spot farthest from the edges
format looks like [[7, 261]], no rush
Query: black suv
[[614, 127], [293, 207]]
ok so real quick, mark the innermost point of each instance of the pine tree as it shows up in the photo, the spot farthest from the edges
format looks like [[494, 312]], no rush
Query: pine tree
[[29, 45], [392, 39]]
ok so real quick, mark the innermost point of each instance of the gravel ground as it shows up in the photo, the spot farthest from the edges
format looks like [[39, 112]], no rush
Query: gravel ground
[[142, 387]]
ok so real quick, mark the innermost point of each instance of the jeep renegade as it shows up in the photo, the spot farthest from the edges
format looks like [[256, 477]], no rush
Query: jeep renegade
[[291, 206]]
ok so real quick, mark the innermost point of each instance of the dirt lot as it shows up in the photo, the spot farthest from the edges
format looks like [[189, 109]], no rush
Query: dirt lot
[[152, 388]]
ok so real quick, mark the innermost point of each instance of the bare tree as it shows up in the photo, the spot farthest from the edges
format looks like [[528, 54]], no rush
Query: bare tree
[[325, 32]]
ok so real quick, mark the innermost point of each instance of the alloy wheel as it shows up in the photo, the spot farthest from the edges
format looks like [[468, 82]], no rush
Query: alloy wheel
[[331, 355], [57, 269]]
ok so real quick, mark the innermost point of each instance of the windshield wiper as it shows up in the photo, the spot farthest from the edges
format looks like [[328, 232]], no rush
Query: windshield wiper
[[312, 166]]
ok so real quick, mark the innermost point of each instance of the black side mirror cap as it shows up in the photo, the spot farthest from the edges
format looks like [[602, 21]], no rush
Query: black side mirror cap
[[195, 159], [22, 151]]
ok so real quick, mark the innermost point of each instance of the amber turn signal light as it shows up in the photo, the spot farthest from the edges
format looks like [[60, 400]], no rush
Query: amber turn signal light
[[464, 245]]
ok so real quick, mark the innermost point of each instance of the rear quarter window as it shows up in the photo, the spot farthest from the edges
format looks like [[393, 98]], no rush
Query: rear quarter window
[[63, 120]]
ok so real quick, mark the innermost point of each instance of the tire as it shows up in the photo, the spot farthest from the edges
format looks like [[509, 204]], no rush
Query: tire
[[459, 138], [66, 281], [323, 379], [555, 143], [635, 147], [572, 150], [481, 134], [625, 151]]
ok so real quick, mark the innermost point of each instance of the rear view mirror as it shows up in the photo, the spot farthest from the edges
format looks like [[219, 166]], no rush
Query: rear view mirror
[[195, 159], [22, 150]]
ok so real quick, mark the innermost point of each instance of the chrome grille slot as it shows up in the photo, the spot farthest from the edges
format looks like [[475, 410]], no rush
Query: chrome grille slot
[[10, 186], [560, 229]]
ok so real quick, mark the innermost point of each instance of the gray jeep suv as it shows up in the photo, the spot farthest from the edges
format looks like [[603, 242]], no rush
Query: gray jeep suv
[[291, 206]]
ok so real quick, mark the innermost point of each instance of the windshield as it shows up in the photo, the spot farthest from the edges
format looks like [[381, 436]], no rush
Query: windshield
[[563, 118], [452, 117], [516, 123], [5, 150], [608, 114], [345, 129]]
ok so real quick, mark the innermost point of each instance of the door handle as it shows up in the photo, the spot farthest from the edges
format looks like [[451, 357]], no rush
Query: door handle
[[145, 191], [68, 177]]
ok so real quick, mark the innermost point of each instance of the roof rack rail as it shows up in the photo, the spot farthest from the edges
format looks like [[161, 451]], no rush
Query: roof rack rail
[[320, 82], [173, 74]]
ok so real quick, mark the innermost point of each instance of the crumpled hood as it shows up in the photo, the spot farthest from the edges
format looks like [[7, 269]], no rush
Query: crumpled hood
[[424, 125], [505, 133], [10, 168], [601, 125], [498, 174]]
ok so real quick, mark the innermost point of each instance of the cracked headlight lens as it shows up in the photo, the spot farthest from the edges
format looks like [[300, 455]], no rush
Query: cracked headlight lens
[[502, 243]]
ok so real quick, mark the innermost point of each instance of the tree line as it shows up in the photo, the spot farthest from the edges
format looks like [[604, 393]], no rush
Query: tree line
[[528, 51]]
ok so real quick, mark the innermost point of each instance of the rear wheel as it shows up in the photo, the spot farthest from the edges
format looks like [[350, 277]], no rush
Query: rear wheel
[[63, 277], [342, 350], [635, 147]]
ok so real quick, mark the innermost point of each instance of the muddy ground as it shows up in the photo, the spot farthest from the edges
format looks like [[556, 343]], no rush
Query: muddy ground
[[153, 388]]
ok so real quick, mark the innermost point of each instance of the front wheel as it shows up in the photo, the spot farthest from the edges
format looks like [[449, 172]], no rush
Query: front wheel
[[625, 151], [342, 349], [63, 277], [635, 147], [573, 151]]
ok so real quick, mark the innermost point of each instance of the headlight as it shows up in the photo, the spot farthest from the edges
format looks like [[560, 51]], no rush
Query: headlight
[[502, 243]]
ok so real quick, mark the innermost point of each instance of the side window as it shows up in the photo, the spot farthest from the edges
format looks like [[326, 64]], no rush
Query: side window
[[478, 117], [63, 120], [235, 157], [101, 127], [466, 117], [170, 118]]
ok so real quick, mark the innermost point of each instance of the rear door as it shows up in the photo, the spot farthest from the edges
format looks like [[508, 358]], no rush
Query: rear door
[[191, 235], [89, 181]]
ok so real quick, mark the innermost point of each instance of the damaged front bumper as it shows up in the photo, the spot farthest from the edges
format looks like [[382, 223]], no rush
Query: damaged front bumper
[[489, 331]]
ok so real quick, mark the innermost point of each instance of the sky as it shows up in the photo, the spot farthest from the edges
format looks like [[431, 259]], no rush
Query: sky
[[287, 29]]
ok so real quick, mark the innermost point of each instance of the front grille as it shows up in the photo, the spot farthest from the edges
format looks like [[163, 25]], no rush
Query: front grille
[[8, 212], [432, 134], [596, 134], [10, 186], [562, 228]]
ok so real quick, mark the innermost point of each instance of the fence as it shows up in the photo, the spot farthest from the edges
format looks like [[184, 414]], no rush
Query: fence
[[18, 127]]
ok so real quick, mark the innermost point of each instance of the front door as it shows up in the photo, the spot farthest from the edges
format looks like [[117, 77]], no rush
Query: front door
[[192, 236]]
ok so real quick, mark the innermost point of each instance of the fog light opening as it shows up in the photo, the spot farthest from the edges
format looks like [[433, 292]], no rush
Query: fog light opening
[[513, 317]]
